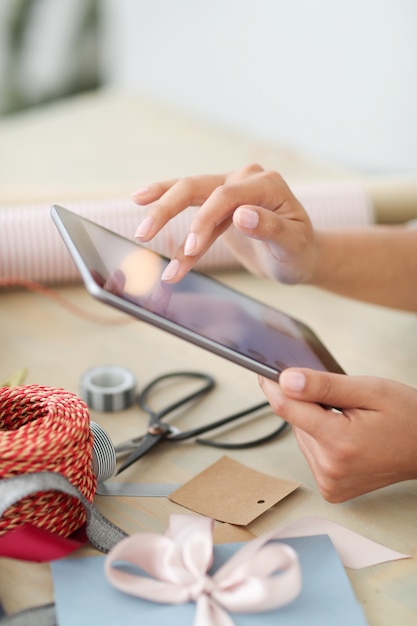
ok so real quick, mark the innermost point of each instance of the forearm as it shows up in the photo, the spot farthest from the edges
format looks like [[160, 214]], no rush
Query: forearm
[[377, 265]]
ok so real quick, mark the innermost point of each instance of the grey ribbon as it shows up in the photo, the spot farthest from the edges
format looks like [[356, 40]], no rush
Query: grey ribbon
[[39, 616], [101, 533], [136, 489]]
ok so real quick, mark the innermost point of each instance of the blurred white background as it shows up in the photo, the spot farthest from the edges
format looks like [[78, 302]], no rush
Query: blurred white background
[[336, 79]]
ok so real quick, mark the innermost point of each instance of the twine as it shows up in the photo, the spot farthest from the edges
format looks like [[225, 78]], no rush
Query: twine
[[46, 429]]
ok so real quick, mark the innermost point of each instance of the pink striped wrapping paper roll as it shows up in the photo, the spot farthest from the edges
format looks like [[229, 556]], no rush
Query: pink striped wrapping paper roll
[[32, 249]]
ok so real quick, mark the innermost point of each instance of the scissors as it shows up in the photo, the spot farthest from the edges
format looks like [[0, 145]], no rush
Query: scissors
[[159, 430]]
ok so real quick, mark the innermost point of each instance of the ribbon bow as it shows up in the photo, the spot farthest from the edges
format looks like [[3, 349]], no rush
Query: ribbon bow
[[263, 575]]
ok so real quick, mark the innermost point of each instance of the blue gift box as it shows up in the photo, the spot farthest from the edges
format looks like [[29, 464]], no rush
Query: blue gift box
[[84, 596]]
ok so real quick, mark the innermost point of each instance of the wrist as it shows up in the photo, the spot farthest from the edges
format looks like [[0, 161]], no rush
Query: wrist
[[317, 267]]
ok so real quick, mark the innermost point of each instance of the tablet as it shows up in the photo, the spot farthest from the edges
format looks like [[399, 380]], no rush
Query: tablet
[[200, 309]]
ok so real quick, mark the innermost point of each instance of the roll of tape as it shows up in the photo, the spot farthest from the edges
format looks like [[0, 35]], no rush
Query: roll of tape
[[108, 388], [104, 454]]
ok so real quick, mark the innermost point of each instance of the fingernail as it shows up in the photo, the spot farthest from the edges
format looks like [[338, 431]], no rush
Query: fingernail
[[139, 192], [293, 381], [111, 283], [171, 270], [144, 227], [247, 218], [190, 245]]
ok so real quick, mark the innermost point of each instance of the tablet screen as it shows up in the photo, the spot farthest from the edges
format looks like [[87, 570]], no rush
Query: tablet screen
[[198, 307]]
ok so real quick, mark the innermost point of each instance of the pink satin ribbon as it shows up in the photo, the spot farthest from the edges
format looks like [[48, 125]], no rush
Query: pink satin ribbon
[[261, 576]]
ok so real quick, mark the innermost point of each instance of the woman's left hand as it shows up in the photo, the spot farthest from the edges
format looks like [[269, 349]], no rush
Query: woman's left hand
[[368, 443]]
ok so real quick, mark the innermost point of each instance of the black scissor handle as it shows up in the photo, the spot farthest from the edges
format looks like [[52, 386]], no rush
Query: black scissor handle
[[244, 445], [156, 416], [194, 433]]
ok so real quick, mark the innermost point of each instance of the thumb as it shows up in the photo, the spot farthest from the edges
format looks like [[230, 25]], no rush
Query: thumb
[[288, 238], [332, 390]]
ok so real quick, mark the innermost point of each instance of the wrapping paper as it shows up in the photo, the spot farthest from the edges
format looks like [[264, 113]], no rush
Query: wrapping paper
[[32, 249]]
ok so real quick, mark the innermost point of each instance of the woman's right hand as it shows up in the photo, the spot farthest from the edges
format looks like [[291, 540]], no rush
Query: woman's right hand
[[263, 223]]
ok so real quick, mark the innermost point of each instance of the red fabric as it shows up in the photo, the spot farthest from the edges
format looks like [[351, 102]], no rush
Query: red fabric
[[30, 543]]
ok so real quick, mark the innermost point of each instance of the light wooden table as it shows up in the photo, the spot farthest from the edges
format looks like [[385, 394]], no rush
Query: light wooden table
[[105, 145], [58, 346]]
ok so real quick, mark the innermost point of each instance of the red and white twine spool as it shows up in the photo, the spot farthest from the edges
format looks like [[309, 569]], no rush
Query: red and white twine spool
[[46, 429]]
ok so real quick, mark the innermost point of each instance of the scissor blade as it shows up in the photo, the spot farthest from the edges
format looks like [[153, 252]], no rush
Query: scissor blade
[[148, 442], [128, 446]]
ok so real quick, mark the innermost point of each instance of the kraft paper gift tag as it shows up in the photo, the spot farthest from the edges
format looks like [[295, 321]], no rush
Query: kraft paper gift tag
[[228, 491]]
